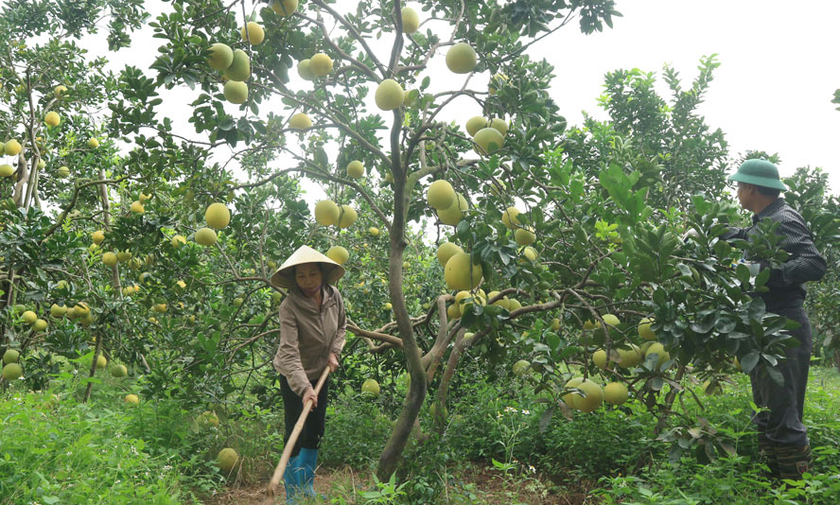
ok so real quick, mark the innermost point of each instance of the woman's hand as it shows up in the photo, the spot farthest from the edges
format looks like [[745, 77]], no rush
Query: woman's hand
[[310, 395], [333, 363]]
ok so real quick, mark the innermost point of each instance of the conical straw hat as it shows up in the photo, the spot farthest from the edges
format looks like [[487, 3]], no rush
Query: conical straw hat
[[285, 275]]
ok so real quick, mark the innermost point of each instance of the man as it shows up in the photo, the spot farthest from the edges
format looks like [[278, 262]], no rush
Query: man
[[782, 436]]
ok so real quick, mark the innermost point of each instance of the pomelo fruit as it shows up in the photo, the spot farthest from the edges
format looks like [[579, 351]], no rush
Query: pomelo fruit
[[217, 216], [461, 58], [440, 195]]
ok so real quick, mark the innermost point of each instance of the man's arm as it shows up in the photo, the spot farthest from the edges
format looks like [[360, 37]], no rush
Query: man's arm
[[804, 263]]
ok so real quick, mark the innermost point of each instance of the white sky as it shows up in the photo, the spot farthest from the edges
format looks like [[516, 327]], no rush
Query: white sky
[[772, 91]]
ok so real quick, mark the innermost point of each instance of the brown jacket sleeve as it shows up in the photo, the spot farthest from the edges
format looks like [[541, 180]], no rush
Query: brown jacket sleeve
[[338, 341], [287, 359]]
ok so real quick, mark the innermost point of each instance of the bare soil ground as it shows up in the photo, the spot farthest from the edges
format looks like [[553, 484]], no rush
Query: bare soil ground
[[485, 484]]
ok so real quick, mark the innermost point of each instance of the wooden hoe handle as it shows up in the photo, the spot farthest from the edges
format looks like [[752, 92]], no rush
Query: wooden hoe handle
[[290, 445]]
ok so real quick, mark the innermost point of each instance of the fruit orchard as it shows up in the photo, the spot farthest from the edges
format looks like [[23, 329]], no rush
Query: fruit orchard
[[583, 260]]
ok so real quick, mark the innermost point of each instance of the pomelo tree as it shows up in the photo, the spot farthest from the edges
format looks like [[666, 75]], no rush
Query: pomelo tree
[[557, 243]]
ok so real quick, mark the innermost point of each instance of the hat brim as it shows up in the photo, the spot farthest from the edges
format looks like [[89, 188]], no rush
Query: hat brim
[[284, 277], [755, 180]]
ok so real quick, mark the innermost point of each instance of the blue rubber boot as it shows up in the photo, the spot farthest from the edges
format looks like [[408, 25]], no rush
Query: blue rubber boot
[[308, 460], [291, 479]]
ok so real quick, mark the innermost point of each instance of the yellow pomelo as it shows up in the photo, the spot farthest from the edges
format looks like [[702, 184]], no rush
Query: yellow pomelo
[[236, 92], [217, 216], [460, 273], [389, 95], [12, 147], [630, 357], [132, 399], [521, 366], [476, 123], [514, 304], [410, 20], [6, 170], [320, 64], [93, 142], [503, 302], [499, 124], [119, 371], [615, 393], [304, 71], [254, 31], [370, 387], [524, 236], [284, 8], [109, 259], [347, 217], [446, 251], [227, 459], [123, 256], [453, 311], [221, 56], [97, 236], [208, 418], [496, 82], [555, 324], [52, 118], [593, 399], [10, 356], [453, 214], [39, 325], [160, 308], [205, 237], [300, 121], [530, 253], [659, 349], [240, 68], [599, 357], [374, 231], [177, 240], [611, 320], [57, 311], [12, 372], [388, 306], [644, 329], [137, 207], [355, 169], [461, 58], [510, 217], [338, 254], [489, 140], [327, 213], [441, 195], [59, 90], [568, 398]]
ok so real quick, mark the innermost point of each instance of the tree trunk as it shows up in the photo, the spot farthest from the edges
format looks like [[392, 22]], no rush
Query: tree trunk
[[393, 450], [669, 402]]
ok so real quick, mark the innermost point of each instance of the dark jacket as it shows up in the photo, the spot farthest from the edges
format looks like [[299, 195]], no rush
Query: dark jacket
[[804, 262]]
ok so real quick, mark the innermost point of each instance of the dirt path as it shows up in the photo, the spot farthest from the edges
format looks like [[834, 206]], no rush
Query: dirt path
[[485, 486]]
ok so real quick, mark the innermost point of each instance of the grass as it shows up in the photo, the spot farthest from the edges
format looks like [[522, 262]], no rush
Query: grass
[[55, 450]]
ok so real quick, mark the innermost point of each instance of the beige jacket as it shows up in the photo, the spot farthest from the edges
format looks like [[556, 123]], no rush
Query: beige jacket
[[308, 336]]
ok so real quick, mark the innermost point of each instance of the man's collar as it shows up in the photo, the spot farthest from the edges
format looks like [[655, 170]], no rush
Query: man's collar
[[773, 207]]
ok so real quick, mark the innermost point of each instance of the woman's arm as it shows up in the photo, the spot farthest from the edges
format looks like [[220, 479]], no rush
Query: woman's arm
[[287, 359]]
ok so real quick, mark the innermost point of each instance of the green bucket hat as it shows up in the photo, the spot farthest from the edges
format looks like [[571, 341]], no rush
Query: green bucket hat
[[759, 173]]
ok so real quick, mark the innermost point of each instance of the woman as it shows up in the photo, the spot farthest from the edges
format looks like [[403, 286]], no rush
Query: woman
[[312, 326]]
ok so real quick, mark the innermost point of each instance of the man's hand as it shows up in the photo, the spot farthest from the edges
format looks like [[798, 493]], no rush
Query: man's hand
[[310, 395], [333, 363]]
